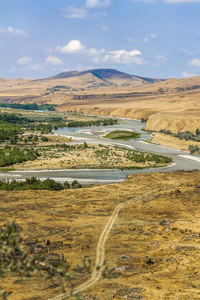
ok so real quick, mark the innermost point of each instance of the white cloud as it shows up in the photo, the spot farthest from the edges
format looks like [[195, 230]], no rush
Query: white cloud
[[95, 52], [35, 67], [49, 50], [98, 3], [153, 35], [74, 46], [194, 62], [14, 31], [124, 57], [99, 15], [75, 13], [102, 55], [146, 39], [105, 28], [132, 40], [53, 60], [187, 74], [187, 52], [24, 60]]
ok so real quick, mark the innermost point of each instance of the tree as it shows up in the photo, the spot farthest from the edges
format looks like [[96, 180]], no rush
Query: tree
[[14, 260], [193, 148], [197, 131], [85, 145], [76, 185]]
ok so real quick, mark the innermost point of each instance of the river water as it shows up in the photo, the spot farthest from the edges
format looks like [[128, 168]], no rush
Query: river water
[[181, 160]]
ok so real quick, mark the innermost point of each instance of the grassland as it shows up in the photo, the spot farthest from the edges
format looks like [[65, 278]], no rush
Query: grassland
[[63, 156], [122, 135], [153, 245], [172, 104], [172, 142]]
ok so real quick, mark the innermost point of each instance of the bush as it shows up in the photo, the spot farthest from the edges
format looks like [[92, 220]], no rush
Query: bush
[[193, 148], [76, 185], [184, 135]]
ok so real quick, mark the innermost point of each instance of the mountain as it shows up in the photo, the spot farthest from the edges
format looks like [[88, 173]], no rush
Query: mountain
[[109, 76]]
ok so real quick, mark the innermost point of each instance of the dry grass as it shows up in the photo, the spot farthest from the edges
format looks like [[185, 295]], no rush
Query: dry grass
[[177, 111], [172, 142], [93, 157], [163, 257]]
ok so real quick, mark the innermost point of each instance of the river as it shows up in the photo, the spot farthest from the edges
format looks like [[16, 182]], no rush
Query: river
[[181, 160]]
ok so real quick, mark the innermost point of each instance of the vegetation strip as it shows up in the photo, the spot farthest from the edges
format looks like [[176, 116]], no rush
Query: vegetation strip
[[29, 106], [100, 122], [122, 135], [188, 136], [36, 184]]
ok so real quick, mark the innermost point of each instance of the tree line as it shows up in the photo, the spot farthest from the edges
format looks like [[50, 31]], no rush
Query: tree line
[[184, 135], [104, 122], [34, 183], [9, 156], [29, 106]]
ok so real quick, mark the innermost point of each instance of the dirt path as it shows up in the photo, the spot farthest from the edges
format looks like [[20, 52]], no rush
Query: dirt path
[[100, 250]]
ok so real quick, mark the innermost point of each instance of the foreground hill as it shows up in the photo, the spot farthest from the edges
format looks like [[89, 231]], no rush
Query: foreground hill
[[153, 244]]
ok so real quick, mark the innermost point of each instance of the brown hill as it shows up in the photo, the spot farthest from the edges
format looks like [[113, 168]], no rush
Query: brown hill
[[106, 75], [68, 84], [169, 104]]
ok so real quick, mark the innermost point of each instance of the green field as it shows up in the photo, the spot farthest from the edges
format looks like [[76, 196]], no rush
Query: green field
[[123, 135]]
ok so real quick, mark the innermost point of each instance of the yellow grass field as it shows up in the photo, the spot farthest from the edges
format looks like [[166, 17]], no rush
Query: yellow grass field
[[92, 157], [153, 244], [172, 142]]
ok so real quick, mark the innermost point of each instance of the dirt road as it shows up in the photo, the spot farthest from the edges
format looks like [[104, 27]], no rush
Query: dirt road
[[100, 250]]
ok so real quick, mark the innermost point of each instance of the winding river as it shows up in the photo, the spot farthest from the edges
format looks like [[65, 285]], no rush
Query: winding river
[[181, 160]]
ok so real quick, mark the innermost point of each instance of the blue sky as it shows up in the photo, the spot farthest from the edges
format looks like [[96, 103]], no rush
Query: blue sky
[[153, 38]]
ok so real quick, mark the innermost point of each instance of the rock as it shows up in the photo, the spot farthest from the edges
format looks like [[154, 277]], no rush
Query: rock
[[126, 292], [89, 297], [133, 296], [197, 189], [177, 192], [54, 257], [165, 223], [184, 248], [150, 262], [125, 257], [124, 268]]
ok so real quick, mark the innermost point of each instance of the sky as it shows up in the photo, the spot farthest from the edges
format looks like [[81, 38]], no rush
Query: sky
[[151, 38]]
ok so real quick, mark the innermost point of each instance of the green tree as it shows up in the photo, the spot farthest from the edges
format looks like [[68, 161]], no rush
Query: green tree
[[14, 260]]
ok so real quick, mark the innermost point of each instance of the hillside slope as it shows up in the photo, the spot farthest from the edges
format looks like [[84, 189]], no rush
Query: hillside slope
[[169, 104]]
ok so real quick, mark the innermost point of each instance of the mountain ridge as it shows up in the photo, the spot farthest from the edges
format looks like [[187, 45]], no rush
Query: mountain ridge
[[103, 74]]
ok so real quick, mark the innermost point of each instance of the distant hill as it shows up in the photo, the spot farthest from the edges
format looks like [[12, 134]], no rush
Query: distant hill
[[110, 76]]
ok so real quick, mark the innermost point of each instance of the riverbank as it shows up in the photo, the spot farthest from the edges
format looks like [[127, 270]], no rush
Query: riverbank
[[173, 142]]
